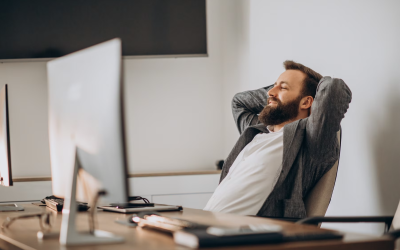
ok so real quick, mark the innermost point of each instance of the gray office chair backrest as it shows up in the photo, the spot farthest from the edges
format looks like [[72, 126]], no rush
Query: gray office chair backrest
[[318, 199], [396, 225], [396, 219]]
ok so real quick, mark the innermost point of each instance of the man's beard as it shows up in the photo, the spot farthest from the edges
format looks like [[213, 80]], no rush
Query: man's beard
[[280, 113]]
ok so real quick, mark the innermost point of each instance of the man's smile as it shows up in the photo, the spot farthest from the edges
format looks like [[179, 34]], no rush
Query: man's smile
[[272, 102]]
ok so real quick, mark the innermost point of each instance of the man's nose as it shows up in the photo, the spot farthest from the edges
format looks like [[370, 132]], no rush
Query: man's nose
[[272, 92]]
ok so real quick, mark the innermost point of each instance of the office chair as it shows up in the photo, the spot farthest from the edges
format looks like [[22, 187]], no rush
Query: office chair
[[392, 223], [319, 197]]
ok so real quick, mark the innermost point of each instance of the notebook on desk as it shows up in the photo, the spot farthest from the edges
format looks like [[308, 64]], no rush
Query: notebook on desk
[[129, 210]]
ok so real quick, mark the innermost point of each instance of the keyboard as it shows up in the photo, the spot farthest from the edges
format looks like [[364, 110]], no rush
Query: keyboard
[[57, 204]]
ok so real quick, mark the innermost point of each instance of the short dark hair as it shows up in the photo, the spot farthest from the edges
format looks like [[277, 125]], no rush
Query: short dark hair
[[312, 78]]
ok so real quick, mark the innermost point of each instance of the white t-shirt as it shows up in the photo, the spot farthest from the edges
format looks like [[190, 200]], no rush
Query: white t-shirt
[[251, 177]]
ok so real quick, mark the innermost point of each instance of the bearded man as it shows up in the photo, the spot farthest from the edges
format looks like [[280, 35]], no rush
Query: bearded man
[[288, 142]]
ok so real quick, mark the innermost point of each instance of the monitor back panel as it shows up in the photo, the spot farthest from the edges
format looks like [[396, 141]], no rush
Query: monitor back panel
[[85, 113]]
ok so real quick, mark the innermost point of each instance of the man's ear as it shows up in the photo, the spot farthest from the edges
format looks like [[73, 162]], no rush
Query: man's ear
[[306, 102]]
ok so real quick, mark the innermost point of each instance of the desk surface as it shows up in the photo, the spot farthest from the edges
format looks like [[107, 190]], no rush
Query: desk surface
[[22, 233]]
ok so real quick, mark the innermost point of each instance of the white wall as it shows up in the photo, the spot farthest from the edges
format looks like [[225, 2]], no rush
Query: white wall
[[173, 110], [235, 65], [357, 41], [174, 107], [27, 95]]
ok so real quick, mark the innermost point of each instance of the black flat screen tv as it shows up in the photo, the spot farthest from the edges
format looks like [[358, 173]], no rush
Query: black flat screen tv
[[53, 28]]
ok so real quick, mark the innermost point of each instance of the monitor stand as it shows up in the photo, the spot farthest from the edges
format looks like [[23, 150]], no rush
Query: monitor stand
[[68, 234], [9, 207]]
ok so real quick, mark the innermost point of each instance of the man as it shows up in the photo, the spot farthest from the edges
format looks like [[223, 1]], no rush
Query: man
[[283, 152]]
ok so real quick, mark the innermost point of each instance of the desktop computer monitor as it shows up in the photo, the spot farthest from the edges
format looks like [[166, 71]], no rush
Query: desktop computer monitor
[[5, 155], [85, 113], [86, 131]]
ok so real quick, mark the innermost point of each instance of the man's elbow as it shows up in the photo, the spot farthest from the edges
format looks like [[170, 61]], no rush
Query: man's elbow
[[239, 96], [237, 100], [343, 89], [337, 87]]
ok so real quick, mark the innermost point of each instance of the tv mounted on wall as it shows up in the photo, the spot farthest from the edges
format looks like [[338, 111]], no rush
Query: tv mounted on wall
[[48, 28]]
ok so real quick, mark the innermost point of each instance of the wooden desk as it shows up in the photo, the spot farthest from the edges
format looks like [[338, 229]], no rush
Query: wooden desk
[[22, 233]]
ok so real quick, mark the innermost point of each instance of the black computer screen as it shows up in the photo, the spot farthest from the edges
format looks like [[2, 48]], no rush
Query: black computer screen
[[49, 28]]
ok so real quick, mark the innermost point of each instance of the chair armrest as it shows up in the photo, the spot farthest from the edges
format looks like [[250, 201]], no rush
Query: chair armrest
[[349, 219], [278, 218], [395, 234]]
